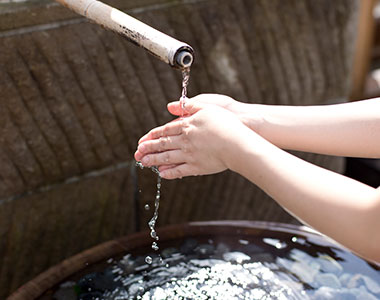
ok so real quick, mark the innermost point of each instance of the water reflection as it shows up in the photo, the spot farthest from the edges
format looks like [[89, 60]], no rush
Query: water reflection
[[292, 267]]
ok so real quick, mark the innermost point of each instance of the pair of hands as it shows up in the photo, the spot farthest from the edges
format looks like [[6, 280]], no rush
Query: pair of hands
[[200, 142], [217, 133]]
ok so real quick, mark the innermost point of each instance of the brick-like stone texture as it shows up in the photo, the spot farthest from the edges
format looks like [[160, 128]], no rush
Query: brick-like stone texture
[[75, 98]]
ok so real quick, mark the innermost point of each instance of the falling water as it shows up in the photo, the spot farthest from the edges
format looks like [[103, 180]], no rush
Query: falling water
[[153, 220], [185, 83]]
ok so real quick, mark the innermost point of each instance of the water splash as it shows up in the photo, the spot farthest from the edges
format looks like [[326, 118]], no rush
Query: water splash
[[155, 246], [237, 268], [148, 260]]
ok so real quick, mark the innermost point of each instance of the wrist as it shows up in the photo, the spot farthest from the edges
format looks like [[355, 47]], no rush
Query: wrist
[[252, 115], [246, 150]]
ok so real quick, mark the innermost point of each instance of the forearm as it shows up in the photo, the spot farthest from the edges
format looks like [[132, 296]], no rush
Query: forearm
[[337, 206], [349, 129], [211, 139]]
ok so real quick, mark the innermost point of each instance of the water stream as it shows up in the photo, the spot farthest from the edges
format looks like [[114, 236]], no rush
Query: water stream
[[185, 83], [153, 220]]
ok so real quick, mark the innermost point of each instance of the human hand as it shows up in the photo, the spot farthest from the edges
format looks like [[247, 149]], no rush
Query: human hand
[[247, 113], [200, 143]]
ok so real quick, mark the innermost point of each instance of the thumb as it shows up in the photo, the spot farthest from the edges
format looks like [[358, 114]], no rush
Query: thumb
[[191, 107]]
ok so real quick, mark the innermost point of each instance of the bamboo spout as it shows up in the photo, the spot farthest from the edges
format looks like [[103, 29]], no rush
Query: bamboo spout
[[173, 52]]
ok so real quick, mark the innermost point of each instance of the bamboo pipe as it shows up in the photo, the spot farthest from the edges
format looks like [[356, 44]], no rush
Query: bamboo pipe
[[173, 52]]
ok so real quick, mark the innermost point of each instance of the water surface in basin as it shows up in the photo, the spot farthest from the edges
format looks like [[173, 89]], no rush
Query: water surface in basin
[[292, 267]]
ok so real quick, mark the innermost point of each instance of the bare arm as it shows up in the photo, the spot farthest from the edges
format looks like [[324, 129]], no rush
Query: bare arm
[[211, 140], [344, 209], [347, 129]]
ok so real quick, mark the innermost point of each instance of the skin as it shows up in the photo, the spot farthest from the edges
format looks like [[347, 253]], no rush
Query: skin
[[219, 133]]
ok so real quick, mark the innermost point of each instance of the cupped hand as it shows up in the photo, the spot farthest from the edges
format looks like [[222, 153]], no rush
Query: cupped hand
[[200, 143]]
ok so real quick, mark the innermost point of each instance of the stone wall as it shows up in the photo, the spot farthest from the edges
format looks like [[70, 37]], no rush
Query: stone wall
[[74, 99]]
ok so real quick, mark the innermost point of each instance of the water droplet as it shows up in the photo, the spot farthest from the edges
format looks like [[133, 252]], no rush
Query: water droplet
[[139, 164], [153, 234], [275, 242], [148, 260], [147, 207], [155, 246]]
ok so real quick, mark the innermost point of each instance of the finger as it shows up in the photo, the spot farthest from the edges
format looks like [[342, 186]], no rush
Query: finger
[[138, 155], [198, 101], [178, 171], [175, 108], [171, 128], [161, 144], [207, 98], [171, 157], [191, 107], [166, 167]]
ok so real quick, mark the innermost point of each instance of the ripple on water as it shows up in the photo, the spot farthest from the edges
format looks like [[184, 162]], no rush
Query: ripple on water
[[254, 269]]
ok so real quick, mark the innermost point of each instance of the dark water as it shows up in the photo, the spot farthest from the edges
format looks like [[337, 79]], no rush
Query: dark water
[[233, 268]]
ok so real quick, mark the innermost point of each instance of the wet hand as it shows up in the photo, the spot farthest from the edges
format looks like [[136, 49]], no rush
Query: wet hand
[[200, 143]]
